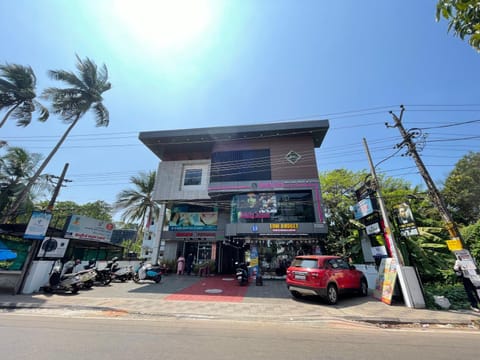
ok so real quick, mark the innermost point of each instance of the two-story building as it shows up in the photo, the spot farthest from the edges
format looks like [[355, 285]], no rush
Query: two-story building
[[240, 192]]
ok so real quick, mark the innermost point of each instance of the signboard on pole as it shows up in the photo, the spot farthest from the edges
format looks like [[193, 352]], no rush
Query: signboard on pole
[[38, 225]]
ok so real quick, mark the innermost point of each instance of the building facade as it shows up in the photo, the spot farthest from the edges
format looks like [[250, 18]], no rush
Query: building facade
[[239, 193]]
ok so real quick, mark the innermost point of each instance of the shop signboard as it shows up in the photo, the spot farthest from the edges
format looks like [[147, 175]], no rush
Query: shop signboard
[[85, 228], [372, 229], [53, 248]]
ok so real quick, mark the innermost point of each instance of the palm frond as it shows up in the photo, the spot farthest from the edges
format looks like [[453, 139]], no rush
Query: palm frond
[[101, 114]]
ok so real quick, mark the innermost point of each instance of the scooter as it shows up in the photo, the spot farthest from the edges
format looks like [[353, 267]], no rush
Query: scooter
[[241, 273], [147, 272], [59, 282], [102, 276], [120, 273]]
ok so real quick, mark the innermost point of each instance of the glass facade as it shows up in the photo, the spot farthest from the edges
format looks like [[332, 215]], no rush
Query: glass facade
[[272, 207]]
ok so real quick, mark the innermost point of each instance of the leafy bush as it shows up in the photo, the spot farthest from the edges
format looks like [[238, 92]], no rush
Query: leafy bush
[[454, 293]]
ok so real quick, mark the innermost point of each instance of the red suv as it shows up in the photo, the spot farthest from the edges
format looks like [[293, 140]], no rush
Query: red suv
[[325, 276]]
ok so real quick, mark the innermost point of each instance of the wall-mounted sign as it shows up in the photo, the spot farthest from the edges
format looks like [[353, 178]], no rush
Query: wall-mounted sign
[[284, 227], [85, 228]]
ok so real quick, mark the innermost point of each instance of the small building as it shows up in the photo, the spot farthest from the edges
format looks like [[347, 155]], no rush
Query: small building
[[240, 193]]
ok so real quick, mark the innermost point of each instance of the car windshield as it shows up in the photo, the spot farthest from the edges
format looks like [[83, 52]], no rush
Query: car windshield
[[306, 263]]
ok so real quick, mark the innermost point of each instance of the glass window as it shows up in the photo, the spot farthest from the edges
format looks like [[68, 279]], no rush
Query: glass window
[[193, 177], [241, 165], [305, 263]]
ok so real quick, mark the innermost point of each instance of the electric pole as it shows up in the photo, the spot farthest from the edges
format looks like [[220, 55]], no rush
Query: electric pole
[[435, 195]]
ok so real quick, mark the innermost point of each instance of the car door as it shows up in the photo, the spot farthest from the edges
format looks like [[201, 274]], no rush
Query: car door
[[349, 275]]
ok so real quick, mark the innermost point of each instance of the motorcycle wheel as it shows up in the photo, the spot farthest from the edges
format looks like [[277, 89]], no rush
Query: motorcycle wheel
[[136, 278], [88, 284], [158, 278], [106, 280], [74, 289], [47, 290]]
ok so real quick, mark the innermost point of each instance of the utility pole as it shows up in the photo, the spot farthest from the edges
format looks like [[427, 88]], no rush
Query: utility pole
[[37, 244], [390, 239], [455, 237], [61, 179]]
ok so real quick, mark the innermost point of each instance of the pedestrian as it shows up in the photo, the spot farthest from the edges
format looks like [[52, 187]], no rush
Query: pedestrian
[[180, 265], [470, 289], [189, 263]]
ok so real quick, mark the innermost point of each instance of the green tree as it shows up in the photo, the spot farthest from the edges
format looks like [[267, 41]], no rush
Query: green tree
[[338, 197], [99, 210], [463, 17], [138, 204], [16, 167], [84, 93], [461, 190], [17, 94]]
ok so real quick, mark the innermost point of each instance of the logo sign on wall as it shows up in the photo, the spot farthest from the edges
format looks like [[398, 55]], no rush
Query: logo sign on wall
[[85, 228], [38, 225], [53, 248]]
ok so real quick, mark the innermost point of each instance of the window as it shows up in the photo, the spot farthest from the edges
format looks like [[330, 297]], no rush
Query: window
[[241, 165], [193, 177]]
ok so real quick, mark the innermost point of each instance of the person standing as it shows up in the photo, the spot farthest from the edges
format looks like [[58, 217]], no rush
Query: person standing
[[189, 263], [180, 265], [461, 272]]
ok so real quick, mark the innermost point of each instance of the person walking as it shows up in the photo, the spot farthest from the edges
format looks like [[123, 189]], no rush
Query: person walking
[[470, 289], [180, 265]]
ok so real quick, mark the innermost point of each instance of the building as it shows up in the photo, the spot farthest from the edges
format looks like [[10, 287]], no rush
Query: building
[[240, 193]]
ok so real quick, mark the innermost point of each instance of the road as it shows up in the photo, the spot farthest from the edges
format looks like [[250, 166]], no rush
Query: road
[[55, 338]]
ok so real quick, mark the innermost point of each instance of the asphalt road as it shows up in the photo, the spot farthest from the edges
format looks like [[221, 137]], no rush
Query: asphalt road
[[43, 337]]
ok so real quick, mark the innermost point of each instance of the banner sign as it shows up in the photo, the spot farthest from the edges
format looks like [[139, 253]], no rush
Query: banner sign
[[363, 208], [85, 228], [38, 225], [193, 221], [405, 220], [385, 282]]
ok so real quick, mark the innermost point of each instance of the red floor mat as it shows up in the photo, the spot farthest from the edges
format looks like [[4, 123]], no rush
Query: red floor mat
[[217, 288]]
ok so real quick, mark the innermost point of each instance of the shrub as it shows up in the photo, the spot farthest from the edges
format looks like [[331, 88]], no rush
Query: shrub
[[454, 293]]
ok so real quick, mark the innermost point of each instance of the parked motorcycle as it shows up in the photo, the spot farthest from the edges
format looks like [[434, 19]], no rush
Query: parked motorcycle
[[147, 272], [241, 273], [102, 276], [59, 282], [120, 273]]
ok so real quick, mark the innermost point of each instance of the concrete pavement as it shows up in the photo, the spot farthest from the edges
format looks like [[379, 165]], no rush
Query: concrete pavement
[[270, 302]]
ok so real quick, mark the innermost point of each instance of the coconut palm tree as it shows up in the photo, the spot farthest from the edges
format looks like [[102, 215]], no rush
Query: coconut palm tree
[[138, 204], [84, 93], [17, 94], [16, 167]]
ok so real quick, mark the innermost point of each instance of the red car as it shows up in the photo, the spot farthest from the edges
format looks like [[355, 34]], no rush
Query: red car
[[325, 276]]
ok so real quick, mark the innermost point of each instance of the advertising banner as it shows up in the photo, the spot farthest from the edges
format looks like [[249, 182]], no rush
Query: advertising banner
[[85, 228], [193, 221], [405, 220], [385, 282], [38, 225]]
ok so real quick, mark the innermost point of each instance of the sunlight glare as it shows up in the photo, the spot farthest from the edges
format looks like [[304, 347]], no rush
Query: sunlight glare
[[160, 25]]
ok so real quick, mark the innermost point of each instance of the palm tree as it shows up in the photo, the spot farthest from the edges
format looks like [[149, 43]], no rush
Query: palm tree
[[138, 204], [83, 94], [16, 167], [17, 94]]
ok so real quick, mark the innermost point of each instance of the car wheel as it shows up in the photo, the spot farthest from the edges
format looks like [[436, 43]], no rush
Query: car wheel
[[363, 287], [296, 294], [332, 294]]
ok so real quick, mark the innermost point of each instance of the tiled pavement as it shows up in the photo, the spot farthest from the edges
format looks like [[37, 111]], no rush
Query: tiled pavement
[[270, 302]]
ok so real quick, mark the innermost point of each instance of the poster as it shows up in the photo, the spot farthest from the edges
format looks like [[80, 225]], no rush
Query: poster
[[385, 282]]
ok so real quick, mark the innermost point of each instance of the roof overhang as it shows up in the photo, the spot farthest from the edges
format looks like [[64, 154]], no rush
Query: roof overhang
[[170, 144]]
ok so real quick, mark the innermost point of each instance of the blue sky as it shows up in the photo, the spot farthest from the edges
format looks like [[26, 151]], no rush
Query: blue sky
[[178, 65]]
